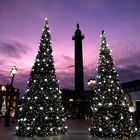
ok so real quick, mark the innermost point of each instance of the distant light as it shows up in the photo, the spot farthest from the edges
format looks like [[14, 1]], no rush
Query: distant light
[[71, 100], [132, 108], [3, 88], [28, 128], [100, 129], [17, 127]]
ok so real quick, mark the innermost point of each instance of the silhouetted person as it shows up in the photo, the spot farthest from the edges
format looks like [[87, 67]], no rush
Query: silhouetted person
[[137, 117], [6, 118]]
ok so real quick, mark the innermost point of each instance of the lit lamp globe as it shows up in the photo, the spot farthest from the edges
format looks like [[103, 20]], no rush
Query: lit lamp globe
[[91, 82], [13, 71], [132, 108]]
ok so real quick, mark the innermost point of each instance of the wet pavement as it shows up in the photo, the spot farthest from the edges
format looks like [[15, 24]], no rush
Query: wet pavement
[[77, 130]]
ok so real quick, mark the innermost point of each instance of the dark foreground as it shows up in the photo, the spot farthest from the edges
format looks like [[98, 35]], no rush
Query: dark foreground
[[77, 130]]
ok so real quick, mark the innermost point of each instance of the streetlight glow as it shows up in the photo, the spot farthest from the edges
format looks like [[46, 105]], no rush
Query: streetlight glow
[[8, 112], [13, 71], [91, 82]]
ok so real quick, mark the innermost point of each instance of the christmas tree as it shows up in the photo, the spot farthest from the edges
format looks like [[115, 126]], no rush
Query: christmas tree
[[41, 112], [111, 117]]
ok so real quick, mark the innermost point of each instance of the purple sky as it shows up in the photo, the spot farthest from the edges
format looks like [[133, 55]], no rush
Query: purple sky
[[22, 21]]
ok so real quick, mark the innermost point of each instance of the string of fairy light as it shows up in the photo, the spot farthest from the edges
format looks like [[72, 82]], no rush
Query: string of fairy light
[[111, 116], [41, 112]]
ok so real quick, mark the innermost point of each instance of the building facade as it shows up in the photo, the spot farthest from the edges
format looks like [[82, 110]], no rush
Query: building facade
[[78, 106], [5, 92]]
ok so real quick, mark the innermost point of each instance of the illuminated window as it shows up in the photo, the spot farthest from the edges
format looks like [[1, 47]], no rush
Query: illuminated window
[[4, 97], [15, 97], [16, 90], [14, 104], [12, 114], [3, 88], [71, 100]]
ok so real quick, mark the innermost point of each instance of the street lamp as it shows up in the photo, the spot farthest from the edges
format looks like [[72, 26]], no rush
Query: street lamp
[[91, 82], [7, 114]]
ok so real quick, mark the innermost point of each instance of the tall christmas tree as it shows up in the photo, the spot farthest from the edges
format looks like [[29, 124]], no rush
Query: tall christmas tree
[[111, 117], [41, 112]]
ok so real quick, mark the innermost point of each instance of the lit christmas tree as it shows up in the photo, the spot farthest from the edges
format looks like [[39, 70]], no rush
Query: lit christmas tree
[[111, 117], [41, 112]]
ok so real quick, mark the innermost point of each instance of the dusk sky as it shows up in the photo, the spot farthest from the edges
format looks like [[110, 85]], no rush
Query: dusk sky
[[22, 21]]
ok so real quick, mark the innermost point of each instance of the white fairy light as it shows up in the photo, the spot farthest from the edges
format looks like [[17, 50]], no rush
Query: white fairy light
[[95, 109], [63, 119], [20, 109], [36, 97], [110, 104], [118, 88], [113, 129], [106, 118], [109, 89], [65, 126], [109, 76], [99, 104], [25, 119], [116, 98], [31, 107], [41, 108], [17, 127], [28, 128], [121, 117], [100, 129]]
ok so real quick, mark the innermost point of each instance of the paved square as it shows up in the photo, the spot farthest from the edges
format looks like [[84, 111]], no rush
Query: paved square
[[77, 130]]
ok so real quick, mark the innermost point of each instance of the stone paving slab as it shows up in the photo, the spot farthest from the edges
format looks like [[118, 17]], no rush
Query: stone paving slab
[[77, 130]]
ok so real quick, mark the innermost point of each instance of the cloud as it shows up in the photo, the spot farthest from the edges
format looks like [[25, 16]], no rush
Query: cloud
[[3, 78], [70, 66], [129, 73], [13, 49], [66, 79], [68, 58]]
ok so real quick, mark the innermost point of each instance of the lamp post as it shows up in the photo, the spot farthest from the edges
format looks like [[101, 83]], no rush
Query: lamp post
[[7, 114], [91, 82]]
